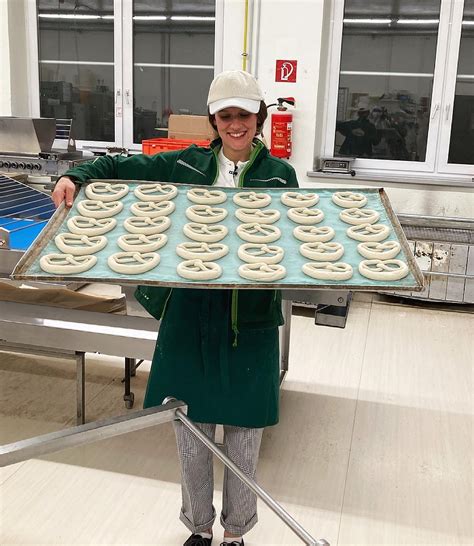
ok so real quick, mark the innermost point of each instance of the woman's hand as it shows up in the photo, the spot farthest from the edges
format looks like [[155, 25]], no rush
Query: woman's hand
[[64, 191]]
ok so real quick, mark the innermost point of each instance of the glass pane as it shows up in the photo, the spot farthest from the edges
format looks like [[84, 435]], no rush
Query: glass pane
[[461, 149], [168, 33], [386, 79], [76, 65]]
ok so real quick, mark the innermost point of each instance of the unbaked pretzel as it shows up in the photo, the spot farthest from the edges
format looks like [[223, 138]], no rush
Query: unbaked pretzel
[[322, 252], [261, 271], [359, 216], [202, 196], [207, 252], [205, 214], [99, 209], [349, 199], [204, 232], [269, 216], [258, 233], [139, 242], [155, 192], [146, 225], [65, 264], [152, 209], [80, 245], [255, 252], [379, 251], [133, 263], [298, 199], [90, 226], [313, 234], [303, 215], [383, 270], [368, 232], [252, 199], [197, 270], [328, 271], [103, 191]]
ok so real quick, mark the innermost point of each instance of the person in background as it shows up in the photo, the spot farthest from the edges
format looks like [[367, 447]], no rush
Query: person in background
[[360, 135], [217, 350]]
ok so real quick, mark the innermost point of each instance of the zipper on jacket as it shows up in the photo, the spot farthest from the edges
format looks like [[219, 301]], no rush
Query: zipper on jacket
[[234, 312], [253, 156], [166, 304]]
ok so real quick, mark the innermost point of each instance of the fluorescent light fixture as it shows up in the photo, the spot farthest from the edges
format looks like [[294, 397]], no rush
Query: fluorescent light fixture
[[417, 21], [367, 21], [80, 16], [467, 23], [191, 18], [150, 17]]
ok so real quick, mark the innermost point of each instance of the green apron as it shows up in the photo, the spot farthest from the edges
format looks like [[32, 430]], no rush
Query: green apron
[[197, 361]]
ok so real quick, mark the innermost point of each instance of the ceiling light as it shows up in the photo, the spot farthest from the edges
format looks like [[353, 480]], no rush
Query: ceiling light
[[367, 21], [191, 18], [150, 17], [417, 21], [67, 16]]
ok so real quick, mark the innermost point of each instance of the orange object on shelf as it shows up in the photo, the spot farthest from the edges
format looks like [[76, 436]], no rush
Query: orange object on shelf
[[153, 146]]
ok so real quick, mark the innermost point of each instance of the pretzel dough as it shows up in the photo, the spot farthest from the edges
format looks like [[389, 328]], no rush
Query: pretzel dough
[[146, 225], [313, 234], [63, 264], [258, 233], [323, 252], [79, 245], [251, 199], [327, 271], [204, 232], [297, 199], [262, 272], [383, 270], [90, 226], [133, 263], [269, 216], [139, 242], [207, 252], [205, 214], [150, 209], [303, 215], [368, 232], [197, 270], [349, 199], [379, 251], [99, 209], [103, 191], [202, 196], [257, 253], [359, 216], [155, 192]]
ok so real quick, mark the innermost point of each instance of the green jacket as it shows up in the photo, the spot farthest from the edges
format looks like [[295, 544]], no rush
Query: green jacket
[[251, 309]]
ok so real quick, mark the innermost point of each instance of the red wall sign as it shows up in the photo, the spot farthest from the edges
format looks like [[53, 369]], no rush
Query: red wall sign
[[285, 71]]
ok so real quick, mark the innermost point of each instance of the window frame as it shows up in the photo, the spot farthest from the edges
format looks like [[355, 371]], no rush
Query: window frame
[[434, 166]]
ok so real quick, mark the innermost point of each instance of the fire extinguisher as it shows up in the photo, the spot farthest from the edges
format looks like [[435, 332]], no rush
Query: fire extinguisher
[[281, 123]]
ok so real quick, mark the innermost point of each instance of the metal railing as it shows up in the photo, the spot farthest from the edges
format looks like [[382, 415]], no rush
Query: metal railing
[[100, 430]]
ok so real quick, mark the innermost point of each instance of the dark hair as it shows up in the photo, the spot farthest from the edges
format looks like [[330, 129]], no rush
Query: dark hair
[[261, 117]]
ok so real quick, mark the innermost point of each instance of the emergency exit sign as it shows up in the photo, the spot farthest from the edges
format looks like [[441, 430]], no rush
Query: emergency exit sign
[[285, 71]]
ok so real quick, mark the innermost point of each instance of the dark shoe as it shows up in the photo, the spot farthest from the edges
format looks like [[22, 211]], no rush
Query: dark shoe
[[198, 540], [235, 543]]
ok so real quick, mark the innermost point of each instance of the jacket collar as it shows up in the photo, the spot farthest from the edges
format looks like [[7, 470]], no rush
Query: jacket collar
[[259, 149]]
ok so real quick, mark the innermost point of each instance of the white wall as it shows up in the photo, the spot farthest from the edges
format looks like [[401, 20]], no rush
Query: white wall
[[288, 29]]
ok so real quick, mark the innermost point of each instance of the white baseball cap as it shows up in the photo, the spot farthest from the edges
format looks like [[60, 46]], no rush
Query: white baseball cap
[[234, 88]]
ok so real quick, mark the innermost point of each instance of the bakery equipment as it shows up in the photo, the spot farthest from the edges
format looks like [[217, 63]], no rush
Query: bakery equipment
[[37, 146], [24, 212]]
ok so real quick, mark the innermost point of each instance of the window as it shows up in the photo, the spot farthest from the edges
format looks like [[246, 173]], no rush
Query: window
[[119, 68], [392, 82]]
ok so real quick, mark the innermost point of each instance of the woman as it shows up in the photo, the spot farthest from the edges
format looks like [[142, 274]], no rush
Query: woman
[[218, 350]]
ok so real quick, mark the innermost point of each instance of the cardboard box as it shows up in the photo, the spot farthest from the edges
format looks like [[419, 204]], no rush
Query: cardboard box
[[190, 127]]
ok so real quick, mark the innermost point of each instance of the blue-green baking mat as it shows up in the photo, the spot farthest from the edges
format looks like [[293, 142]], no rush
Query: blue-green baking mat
[[165, 273]]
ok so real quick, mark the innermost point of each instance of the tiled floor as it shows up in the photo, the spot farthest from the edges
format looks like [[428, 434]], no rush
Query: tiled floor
[[374, 446]]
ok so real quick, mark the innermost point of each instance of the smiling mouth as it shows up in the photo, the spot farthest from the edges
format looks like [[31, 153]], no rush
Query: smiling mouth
[[237, 135]]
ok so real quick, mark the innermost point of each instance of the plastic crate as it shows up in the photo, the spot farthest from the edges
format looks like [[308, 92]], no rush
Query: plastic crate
[[156, 145]]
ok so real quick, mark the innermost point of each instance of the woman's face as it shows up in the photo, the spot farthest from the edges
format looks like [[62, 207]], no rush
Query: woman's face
[[237, 128]]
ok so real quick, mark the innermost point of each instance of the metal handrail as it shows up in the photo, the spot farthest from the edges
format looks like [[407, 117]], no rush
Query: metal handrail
[[171, 409]]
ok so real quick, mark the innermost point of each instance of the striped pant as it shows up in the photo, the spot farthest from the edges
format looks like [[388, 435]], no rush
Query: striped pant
[[239, 504]]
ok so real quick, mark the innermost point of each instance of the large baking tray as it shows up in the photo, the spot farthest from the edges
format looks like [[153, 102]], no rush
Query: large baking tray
[[165, 274]]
